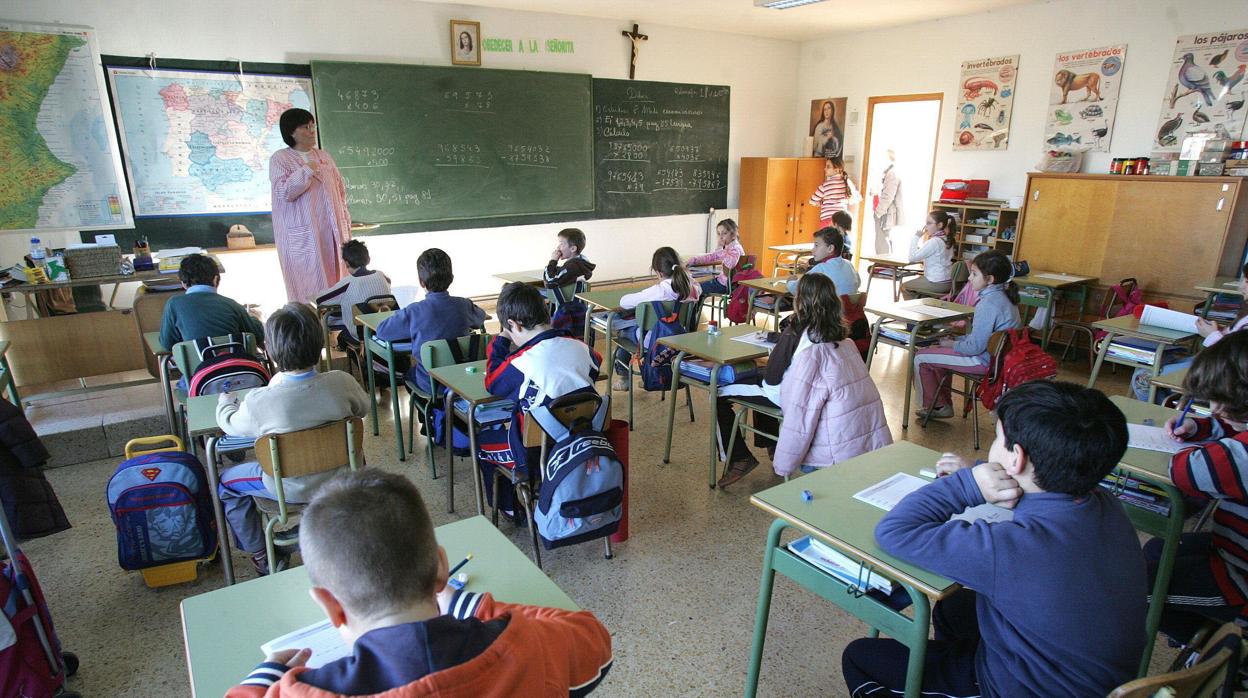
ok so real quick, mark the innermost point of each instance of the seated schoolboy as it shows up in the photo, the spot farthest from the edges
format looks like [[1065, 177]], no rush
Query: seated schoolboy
[[357, 286], [1060, 592], [297, 398], [531, 364], [829, 260], [378, 572], [832, 409], [439, 316], [201, 311], [571, 251], [1210, 578], [570, 311]]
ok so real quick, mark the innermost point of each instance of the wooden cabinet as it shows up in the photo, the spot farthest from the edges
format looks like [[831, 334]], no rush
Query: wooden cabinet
[[1170, 233], [775, 204], [982, 227]]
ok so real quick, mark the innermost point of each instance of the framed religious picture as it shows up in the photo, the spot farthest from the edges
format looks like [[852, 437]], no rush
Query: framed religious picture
[[465, 42], [827, 128]]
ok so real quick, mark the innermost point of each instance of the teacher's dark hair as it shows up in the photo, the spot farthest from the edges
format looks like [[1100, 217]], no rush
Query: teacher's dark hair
[[292, 119]]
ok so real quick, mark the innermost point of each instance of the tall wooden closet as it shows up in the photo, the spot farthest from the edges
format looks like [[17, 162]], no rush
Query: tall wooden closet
[[775, 204]]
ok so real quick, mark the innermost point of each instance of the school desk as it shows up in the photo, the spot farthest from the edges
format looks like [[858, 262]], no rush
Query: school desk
[[777, 286], [201, 427], [222, 630], [1152, 467], [834, 517], [533, 277], [388, 352], [1129, 326], [893, 268], [469, 385], [1170, 381], [606, 302], [790, 256], [165, 357], [1228, 285], [719, 349], [917, 321], [1040, 289]]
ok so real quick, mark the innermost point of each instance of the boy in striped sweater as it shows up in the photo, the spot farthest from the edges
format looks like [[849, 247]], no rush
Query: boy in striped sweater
[[357, 286], [1210, 578]]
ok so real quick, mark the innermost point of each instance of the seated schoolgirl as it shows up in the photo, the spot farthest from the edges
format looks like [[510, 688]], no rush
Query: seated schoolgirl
[[933, 245], [674, 284], [996, 309], [832, 409], [727, 255]]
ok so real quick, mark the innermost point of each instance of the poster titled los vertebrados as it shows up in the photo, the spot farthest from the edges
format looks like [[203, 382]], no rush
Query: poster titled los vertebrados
[[985, 103], [1205, 92], [1083, 98]]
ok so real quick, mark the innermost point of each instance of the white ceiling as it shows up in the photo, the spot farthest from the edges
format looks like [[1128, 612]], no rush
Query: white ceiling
[[742, 17]]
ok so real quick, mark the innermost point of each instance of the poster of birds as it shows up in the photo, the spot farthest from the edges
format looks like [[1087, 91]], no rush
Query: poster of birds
[[1205, 92], [985, 103], [1083, 98]]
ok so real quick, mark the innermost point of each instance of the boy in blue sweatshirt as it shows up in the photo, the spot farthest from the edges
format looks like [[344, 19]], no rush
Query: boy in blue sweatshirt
[[1055, 600]]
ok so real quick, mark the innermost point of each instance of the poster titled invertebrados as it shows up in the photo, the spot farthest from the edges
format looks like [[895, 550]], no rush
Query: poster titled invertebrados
[[985, 103]]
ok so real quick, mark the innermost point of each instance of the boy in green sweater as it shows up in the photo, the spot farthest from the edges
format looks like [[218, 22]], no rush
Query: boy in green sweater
[[201, 311]]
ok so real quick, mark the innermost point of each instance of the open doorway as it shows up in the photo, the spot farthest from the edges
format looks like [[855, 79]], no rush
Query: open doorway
[[897, 171]]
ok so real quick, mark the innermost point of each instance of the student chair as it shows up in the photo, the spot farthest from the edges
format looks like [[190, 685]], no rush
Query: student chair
[[718, 302], [569, 410], [1077, 325], [646, 320], [997, 344], [331, 319], [357, 355], [960, 275], [556, 297], [304, 452], [770, 303], [434, 354], [740, 424], [896, 275], [790, 262], [1214, 674], [186, 360]]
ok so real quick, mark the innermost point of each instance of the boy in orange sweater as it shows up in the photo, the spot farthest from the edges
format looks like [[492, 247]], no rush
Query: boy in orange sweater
[[381, 577]]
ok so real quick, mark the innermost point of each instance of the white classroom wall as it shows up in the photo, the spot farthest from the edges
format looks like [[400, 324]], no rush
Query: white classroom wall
[[926, 57], [760, 72]]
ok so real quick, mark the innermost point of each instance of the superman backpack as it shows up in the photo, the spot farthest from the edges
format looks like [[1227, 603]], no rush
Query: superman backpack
[[226, 366], [162, 509]]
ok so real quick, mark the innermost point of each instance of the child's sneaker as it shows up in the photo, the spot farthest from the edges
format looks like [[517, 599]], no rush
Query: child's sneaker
[[942, 412], [619, 382], [260, 561]]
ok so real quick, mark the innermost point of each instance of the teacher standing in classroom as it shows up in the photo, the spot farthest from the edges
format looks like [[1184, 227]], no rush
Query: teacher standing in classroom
[[310, 217]]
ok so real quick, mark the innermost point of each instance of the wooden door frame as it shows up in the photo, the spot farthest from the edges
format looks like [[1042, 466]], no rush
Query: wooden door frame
[[938, 97]]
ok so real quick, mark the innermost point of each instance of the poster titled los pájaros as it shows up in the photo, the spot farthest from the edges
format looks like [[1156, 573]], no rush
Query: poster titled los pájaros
[[985, 103], [1083, 98], [1205, 91]]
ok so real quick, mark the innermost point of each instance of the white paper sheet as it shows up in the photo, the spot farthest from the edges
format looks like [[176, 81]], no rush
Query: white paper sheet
[[758, 339], [322, 638], [177, 252], [1152, 439], [886, 494], [934, 311], [1169, 319]]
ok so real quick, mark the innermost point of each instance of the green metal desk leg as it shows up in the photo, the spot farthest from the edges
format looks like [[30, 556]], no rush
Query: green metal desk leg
[[671, 406], [763, 610], [1204, 310], [1049, 310], [1156, 370], [367, 368], [394, 402], [477, 481], [910, 353], [917, 643], [713, 391], [450, 451], [1165, 567], [609, 358], [875, 341], [1100, 359], [166, 390]]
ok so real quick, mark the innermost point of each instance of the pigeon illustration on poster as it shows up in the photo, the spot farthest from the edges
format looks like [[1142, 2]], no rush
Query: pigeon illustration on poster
[[1205, 89]]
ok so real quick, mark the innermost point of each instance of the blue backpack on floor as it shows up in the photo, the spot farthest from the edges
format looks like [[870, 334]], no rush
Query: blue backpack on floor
[[162, 509], [582, 490], [656, 359]]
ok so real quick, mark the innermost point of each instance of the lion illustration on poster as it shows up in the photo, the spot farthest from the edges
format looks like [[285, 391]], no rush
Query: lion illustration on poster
[[1067, 81]]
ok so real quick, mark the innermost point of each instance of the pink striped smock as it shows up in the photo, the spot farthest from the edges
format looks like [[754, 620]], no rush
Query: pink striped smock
[[310, 222]]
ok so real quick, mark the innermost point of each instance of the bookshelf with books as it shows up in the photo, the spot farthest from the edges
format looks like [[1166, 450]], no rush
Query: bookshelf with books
[[983, 224]]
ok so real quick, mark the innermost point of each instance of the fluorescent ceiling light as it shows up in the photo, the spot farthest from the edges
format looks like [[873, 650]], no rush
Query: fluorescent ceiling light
[[783, 4]]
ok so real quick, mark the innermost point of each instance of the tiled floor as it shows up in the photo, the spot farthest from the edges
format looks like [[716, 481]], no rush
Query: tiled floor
[[678, 597]]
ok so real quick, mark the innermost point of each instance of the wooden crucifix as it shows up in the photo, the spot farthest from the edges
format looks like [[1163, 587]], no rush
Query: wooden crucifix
[[636, 37]]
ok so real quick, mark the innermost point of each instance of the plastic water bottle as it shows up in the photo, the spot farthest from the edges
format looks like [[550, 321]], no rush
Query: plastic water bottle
[[38, 256]]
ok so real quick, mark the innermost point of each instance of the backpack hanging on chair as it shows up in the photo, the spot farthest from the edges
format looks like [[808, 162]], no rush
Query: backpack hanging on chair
[[656, 359], [739, 302], [1021, 362], [569, 312], [226, 366], [582, 491]]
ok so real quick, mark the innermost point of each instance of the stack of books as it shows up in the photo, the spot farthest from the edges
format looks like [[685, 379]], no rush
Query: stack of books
[[833, 562], [1225, 307], [1138, 494], [1137, 350], [900, 333]]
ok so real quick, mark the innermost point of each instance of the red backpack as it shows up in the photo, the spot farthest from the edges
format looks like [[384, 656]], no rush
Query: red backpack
[[739, 302], [1021, 362]]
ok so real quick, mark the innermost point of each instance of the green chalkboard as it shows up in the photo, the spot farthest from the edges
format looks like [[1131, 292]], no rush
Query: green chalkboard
[[424, 143], [660, 148]]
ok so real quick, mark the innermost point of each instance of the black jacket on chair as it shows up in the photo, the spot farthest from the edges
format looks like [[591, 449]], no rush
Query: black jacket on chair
[[29, 502]]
